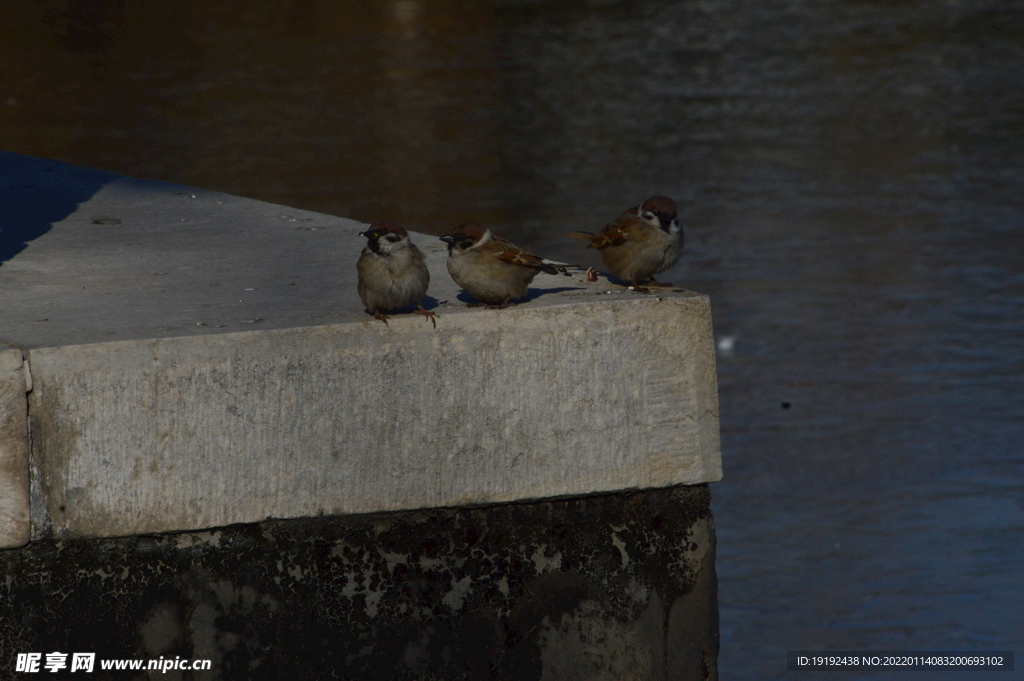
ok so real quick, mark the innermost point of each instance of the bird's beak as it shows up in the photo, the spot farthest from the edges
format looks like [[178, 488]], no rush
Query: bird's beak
[[370, 235], [448, 238]]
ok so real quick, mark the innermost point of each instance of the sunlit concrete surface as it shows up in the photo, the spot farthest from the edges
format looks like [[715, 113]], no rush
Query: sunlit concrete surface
[[199, 359]]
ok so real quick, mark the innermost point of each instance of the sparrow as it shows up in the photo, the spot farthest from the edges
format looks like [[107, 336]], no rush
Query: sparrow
[[392, 272], [489, 268], [641, 242]]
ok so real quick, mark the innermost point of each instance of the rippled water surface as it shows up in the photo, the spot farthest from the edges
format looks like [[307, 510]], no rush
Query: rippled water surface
[[855, 172]]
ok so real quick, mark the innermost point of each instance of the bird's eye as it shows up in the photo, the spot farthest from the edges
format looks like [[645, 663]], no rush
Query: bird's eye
[[647, 215]]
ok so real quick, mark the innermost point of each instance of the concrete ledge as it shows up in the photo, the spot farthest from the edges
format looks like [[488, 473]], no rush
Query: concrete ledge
[[153, 411], [184, 433]]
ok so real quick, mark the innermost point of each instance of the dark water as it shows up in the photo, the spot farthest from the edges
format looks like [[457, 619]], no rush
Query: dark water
[[856, 172]]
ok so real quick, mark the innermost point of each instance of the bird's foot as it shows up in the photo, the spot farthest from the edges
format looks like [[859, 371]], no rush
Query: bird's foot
[[638, 288], [655, 282], [502, 305], [377, 315], [427, 314]]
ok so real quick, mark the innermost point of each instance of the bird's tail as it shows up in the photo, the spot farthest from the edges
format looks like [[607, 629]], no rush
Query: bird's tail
[[586, 236], [552, 267]]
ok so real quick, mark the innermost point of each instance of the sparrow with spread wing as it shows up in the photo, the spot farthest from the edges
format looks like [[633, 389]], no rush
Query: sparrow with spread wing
[[641, 242]]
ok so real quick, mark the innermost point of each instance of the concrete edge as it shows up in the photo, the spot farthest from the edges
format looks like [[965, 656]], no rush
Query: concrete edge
[[664, 360], [15, 527]]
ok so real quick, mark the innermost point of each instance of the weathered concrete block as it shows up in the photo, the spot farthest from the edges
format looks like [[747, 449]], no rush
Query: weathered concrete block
[[201, 359], [615, 587], [14, 483], [192, 432], [195, 360]]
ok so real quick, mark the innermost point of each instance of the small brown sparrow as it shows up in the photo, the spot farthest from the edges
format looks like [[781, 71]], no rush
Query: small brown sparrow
[[641, 242], [392, 272], [489, 268]]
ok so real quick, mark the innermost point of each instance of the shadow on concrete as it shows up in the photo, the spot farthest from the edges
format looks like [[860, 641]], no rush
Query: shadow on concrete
[[535, 293], [35, 193], [615, 281], [531, 294], [429, 303]]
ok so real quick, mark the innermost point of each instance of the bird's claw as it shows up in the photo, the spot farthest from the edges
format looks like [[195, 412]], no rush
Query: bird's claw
[[502, 305], [426, 313]]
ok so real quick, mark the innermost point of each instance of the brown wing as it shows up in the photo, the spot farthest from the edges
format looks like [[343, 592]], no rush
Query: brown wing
[[513, 254], [614, 233]]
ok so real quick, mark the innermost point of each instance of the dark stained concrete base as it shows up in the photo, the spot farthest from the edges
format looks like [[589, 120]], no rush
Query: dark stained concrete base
[[616, 586]]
